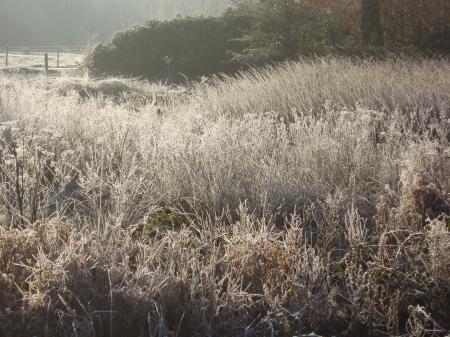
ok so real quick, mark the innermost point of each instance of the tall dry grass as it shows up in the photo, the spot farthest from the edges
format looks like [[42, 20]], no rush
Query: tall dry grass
[[316, 85], [312, 196]]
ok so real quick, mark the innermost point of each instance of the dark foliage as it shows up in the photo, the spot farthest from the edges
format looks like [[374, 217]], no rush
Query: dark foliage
[[257, 32], [173, 50]]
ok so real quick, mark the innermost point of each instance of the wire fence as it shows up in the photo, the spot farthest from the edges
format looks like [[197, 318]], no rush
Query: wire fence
[[36, 56]]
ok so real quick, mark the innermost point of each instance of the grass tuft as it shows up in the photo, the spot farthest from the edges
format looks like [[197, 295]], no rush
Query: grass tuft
[[307, 197]]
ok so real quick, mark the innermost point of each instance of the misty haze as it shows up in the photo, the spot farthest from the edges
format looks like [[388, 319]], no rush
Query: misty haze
[[68, 22]]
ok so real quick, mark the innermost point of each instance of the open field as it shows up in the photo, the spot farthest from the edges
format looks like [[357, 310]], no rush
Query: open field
[[32, 59], [307, 197], [17, 59]]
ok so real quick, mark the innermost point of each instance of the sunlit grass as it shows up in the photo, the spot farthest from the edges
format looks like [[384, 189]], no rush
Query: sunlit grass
[[305, 197]]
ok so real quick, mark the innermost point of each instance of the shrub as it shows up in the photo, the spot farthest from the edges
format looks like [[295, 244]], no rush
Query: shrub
[[167, 50]]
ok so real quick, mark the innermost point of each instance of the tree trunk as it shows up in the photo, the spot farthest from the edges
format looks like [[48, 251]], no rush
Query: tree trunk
[[289, 45], [372, 32]]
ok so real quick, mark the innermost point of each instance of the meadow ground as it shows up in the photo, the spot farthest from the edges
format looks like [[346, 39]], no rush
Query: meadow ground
[[18, 59], [305, 197]]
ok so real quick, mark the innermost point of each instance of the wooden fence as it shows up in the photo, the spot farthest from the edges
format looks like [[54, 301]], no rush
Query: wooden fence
[[49, 56]]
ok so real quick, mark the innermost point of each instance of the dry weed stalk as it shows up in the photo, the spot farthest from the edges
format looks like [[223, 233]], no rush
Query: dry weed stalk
[[307, 197]]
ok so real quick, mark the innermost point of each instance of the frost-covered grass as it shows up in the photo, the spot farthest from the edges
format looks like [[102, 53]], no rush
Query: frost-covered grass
[[16, 59], [312, 196]]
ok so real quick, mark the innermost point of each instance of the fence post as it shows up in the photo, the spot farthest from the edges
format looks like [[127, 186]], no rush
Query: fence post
[[57, 57], [6, 56], [46, 64]]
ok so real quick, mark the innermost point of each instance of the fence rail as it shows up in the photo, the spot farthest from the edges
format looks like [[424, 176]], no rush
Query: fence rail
[[43, 49], [38, 55]]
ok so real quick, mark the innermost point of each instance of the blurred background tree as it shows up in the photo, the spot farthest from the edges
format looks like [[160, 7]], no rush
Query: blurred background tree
[[243, 32], [283, 28], [371, 30], [256, 32], [278, 29]]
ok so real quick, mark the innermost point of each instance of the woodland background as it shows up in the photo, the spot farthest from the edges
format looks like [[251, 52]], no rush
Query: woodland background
[[257, 32]]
